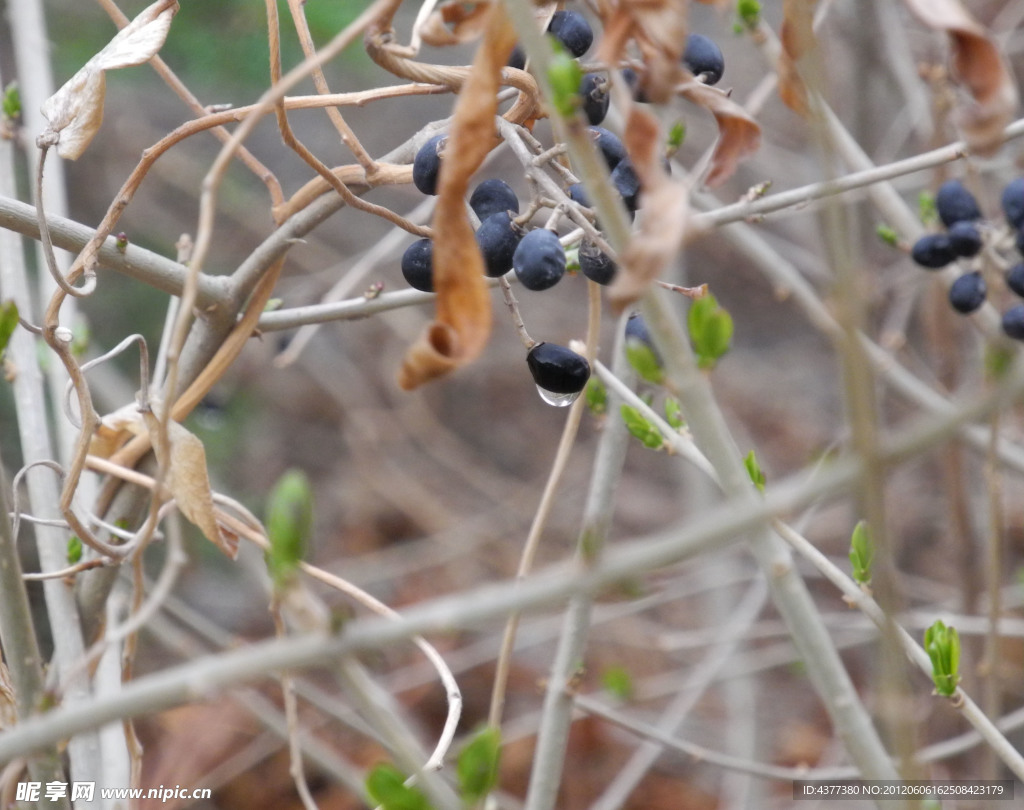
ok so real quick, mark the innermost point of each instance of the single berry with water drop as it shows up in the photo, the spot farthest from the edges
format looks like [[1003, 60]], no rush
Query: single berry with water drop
[[558, 371]]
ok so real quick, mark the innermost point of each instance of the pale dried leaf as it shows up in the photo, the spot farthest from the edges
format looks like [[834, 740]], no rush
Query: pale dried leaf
[[797, 38], [74, 113], [658, 29], [454, 23], [115, 429], [979, 67], [739, 135], [663, 224], [463, 322], [188, 481]]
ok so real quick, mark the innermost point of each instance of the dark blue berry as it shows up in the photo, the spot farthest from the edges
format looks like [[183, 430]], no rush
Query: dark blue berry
[[1020, 241], [558, 369], [491, 197], [595, 263], [635, 82], [704, 58], [625, 181], [1015, 279], [965, 238], [498, 237], [1013, 202], [1013, 322], [956, 204], [610, 145], [418, 265], [573, 31], [578, 194], [968, 293], [539, 260], [517, 59], [594, 92], [636, 329], [427, 163], [933, 250]]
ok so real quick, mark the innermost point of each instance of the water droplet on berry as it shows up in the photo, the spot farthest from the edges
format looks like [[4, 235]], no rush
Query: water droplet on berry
[[558, 400]]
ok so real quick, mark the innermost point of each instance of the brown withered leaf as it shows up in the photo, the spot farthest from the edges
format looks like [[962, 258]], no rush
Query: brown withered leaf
[[454, 22], [74, 113], [739, 135], [979, 67], [188, 481], [463, 323], [115, 429], [658, 28], [663, 226], [797, 37]]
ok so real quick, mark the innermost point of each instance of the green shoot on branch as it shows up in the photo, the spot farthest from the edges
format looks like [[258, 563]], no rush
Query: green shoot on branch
[[862, 552], [943, 647]]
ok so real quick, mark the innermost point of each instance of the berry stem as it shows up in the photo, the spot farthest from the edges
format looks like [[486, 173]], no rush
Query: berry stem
[[513, 308]]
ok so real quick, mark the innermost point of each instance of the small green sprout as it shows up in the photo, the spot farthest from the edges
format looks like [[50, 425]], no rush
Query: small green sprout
[[674, 413], [8, 322], [289, 524], [676, 136], [926, 209], [11, 104], [596, 396], [943, 647], [711, 329], [862, 552], [754, 470], [748, 12], [887, 234], [565, 77], [74, 552], [618, 682], [477, 765], [641, 428], [386, 786], [645, 362]]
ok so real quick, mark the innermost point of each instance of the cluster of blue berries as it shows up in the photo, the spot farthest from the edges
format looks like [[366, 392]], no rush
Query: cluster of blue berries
[[537, 255], [964, 237]]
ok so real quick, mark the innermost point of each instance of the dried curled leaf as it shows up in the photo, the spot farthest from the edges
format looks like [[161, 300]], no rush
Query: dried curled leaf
[[188, 481], [978, 65], [658, 28], [739, 135], [74, 113], [455, 22], [463, 323], [797, 36], [115, 429], [664, 226]]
